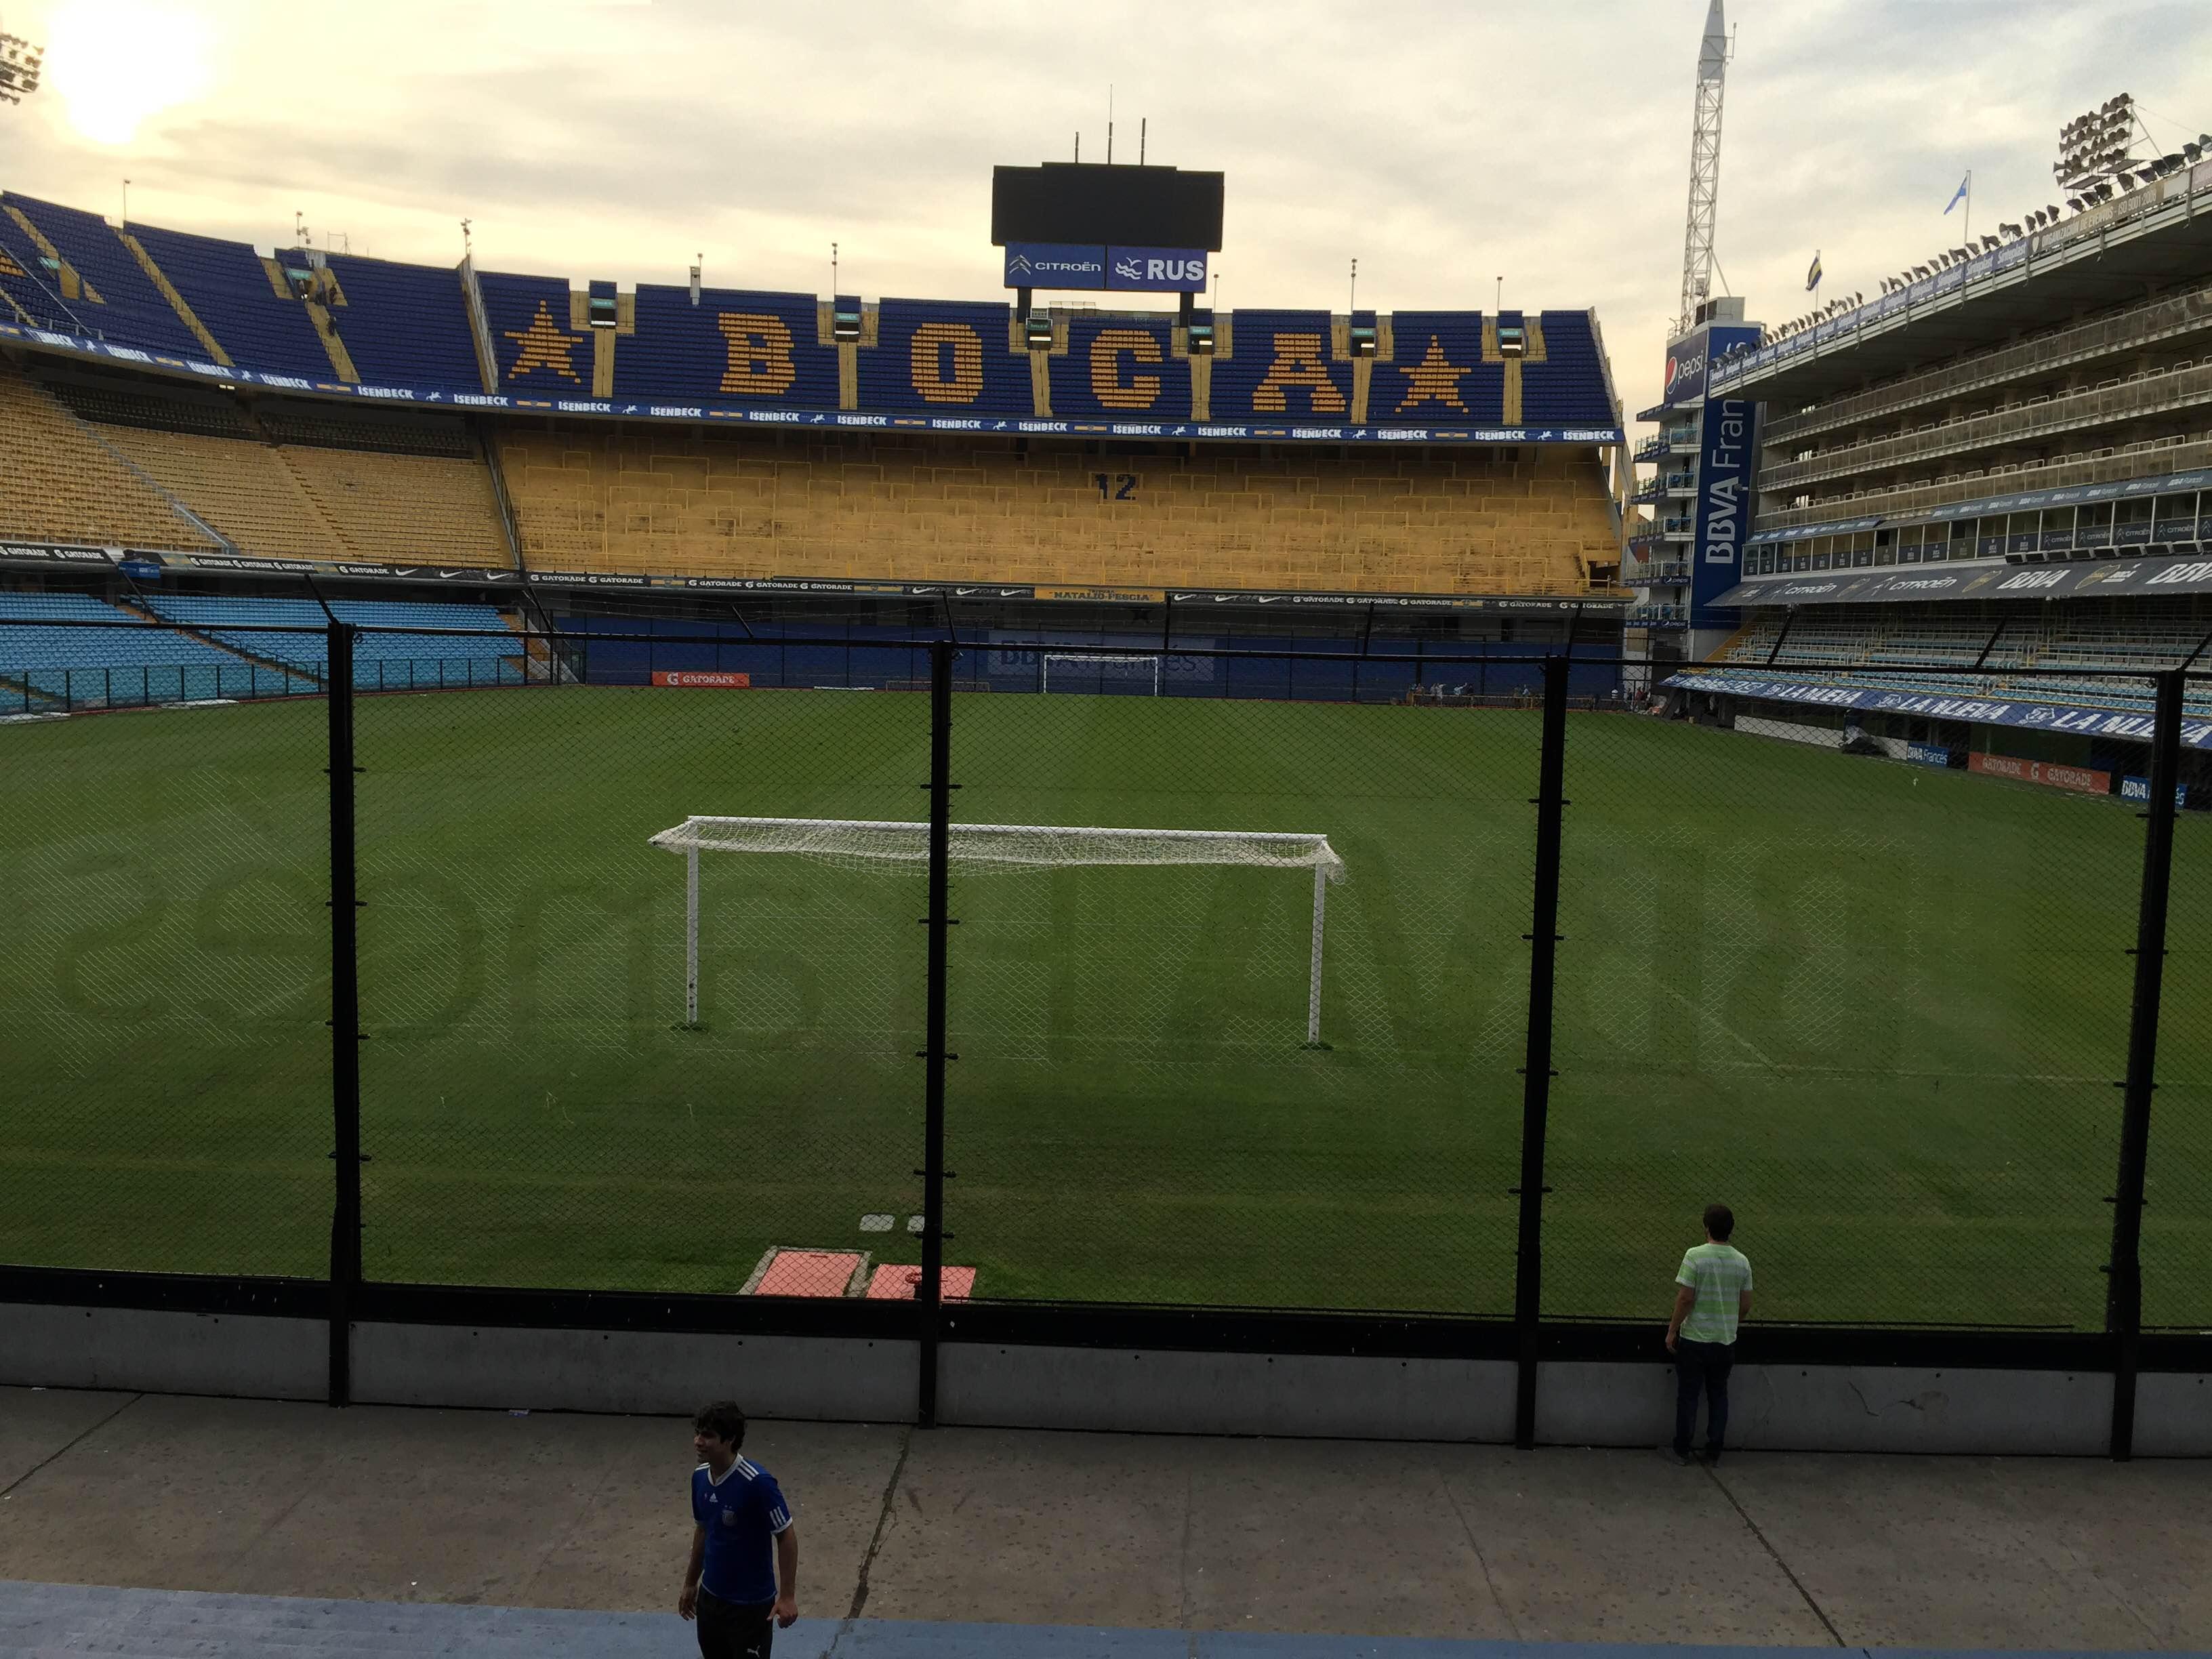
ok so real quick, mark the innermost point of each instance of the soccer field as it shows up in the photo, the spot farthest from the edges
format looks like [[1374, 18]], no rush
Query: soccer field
[[1880, 1009]]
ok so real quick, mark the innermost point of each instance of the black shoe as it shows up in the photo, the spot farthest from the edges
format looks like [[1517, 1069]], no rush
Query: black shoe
[[1709, 1457], [1682, 1457]]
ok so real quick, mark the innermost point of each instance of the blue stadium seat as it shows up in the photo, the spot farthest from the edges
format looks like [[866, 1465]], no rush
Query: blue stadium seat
[[405, 325], [380, 659], [1280, 368], [732, 347], [45, 667], [1567, 388], [945, 357], [132, 309], [1436, 376], [228, 290], [1120, 368], [532, 342], [32, 289]]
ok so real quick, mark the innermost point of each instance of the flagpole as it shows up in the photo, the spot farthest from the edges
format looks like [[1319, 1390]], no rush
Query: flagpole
[[1970, 209]]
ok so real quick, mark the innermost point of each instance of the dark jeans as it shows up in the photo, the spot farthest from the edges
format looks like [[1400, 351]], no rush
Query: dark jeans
[[1701, 1366], [730, 1630]]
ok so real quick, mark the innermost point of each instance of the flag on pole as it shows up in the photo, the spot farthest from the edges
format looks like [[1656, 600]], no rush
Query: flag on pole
[[1813, 275], [1959, 195]]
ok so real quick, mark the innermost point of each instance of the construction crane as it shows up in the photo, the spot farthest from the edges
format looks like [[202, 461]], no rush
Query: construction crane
[[1714, 51]]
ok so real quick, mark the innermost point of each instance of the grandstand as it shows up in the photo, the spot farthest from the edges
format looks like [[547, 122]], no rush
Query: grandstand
[[217, 649], [188, 395], [925, 510], [2003, 472]]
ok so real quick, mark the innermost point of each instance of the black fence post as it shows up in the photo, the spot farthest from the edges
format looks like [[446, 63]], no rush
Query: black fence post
[[931, 1292], [1536, 1070], [2123, 1289], [345, 1019]]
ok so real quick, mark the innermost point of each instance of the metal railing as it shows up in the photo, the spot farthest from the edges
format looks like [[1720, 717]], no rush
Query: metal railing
[[2146, 462], [2134, 398], [2139, 325]]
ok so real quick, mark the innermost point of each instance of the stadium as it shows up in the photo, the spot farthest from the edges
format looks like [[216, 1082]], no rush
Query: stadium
[[1241, 832]]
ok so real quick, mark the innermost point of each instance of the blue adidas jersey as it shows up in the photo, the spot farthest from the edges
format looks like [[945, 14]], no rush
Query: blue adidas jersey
[[742, 1513]]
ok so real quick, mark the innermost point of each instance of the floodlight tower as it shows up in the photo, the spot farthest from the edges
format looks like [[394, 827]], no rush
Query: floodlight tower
[[21, 64], [1713, 53]]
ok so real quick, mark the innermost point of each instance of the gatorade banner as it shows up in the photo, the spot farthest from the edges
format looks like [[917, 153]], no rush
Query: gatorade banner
[[701, 676]]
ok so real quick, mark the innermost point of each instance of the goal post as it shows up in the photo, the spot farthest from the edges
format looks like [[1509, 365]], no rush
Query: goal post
[[1022, 846], [1088, 671]]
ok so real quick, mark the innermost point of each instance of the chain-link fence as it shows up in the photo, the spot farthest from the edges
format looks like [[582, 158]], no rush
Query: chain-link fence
[[167, 977], [1209, 1071], [550, 1096], [1238, 977], [2177, 1244], [1823, 975]]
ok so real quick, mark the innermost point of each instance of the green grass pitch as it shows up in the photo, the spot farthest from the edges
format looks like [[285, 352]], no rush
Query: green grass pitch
[[1878, 1009]]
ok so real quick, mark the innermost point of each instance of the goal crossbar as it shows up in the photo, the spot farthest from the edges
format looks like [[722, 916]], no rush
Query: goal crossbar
[[1020, 845]]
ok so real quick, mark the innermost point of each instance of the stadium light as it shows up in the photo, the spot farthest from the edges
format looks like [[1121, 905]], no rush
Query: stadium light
[[20, 65]]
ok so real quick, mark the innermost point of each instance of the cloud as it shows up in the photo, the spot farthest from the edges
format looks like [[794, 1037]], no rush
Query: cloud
[[1443, 143]]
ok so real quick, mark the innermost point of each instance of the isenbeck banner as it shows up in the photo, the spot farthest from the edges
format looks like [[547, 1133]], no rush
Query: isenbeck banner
[[1724, 507]]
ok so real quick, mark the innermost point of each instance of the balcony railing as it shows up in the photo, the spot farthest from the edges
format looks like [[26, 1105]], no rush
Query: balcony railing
[[2146, 462], [1656, 574], [2147, 394], [2141, 326]]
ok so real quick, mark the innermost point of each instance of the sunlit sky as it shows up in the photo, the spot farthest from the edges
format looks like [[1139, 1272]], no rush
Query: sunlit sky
[[1444, 143]]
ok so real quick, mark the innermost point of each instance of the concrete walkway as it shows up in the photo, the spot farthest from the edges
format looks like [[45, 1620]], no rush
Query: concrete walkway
[[1096, 1533]]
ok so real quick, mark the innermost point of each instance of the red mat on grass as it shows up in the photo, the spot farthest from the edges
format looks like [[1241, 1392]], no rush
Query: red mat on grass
[[891, 1282]]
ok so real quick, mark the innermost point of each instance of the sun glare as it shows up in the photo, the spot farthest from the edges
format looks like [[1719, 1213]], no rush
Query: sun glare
[[116, 63]]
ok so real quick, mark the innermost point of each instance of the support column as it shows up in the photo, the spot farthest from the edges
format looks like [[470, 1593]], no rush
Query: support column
[[2123, 1289], [931, 1291], [1536, 1070], [345, 1018]]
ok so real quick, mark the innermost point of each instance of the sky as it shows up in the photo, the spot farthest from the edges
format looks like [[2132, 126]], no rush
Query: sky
[[1442, 144]]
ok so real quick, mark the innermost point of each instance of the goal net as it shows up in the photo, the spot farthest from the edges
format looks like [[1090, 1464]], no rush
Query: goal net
[[868, 842], [1097, 673]]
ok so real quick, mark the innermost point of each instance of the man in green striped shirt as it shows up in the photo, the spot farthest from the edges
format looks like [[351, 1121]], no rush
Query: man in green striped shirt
[[1713, 1293]]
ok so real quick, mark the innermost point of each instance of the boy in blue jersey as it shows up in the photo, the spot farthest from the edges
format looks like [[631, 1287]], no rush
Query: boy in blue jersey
[[738, 1595]]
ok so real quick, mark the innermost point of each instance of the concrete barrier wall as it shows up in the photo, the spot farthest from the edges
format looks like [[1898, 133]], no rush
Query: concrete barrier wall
[[830, 1379], [1875, 1408], [249, 1355]]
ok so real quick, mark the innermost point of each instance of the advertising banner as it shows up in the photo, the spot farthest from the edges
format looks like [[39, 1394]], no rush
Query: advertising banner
[[2138, 789], [2196, 733], [701, 676], [2079, 778], [1910, 584], [1055, 265], [1157, 270], [1691, 360], [1925, 754], [1724, 506], [49, 556]]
